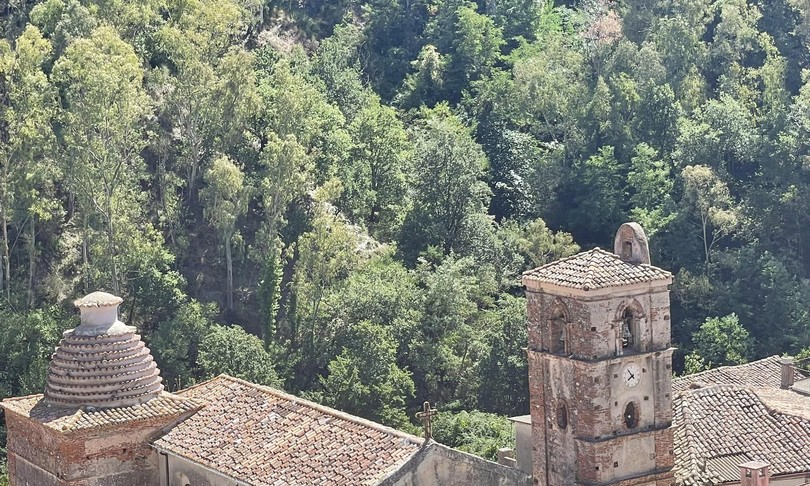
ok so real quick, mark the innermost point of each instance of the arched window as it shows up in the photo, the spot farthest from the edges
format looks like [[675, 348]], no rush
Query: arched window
[[558, 332], [562, 415], [628, 329], [631, 415]]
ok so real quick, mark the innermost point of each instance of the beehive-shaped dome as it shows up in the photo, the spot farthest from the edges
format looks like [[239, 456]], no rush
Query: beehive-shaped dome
[[103, 362]]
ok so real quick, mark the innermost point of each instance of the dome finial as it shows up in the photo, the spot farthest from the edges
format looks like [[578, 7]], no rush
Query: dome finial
[[102, 363], [99, 315]]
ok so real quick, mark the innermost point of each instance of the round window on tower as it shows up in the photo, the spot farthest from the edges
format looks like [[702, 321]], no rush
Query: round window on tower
[[562, 415], [631, 417]]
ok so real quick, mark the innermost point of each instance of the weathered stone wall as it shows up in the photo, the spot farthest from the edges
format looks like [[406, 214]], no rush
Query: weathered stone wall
[[579, 396], [110, 456], [438, 465], [182, 472], [523, 446], [593, 326], [32, 443], [606, 318], [614, 460], [23, 473]]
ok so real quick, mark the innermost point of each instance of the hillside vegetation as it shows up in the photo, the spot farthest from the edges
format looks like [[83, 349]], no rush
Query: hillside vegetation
[[338, 197]]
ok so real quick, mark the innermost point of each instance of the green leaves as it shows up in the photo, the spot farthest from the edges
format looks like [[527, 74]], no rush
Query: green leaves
[[449, 191], [708, 199], [364, 378], [474, 432], [722, 341], [105, 110], [225, 195], [377, 176], [230, 350]]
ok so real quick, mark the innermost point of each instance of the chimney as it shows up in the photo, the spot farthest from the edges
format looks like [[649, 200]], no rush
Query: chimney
[[787, 372], [755, 473]]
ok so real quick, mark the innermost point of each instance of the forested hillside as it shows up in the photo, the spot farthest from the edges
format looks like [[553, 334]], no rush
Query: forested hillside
[[338, 197]]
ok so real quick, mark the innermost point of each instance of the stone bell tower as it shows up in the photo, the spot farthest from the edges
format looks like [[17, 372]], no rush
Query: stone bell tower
[[600, 367], [103, 403]]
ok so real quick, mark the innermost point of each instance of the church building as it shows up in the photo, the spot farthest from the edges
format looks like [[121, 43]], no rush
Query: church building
[[604, 407]]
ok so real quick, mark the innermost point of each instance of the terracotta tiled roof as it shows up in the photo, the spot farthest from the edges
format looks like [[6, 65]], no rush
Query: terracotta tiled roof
[[762, 373], [721, 426], [69, 419], [595, 269], [268, 437]]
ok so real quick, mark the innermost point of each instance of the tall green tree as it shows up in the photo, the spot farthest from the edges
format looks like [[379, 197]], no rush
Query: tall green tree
[[27, 166], [105, 107], [722, 341], [651, 184], [449, 191], [337, 63], [231, 350], [364, 378], [176, 343], [475, 51], [376, 178], [709, 204], [225, 198], [325, 256], [599, 192], [503, 371]]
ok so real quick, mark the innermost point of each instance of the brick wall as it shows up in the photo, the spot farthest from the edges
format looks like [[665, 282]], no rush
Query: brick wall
[[595, 448], [114, 455]]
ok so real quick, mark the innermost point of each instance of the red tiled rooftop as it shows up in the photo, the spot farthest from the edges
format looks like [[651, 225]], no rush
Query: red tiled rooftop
[[595, 269], [722, 426], [761, 373], [269, 437]]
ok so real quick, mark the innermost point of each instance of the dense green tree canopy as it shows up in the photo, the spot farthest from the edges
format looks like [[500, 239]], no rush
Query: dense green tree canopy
[[339, 197]]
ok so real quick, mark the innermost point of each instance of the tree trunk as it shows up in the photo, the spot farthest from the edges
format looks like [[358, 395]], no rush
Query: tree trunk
[[85, 262], [271, 284], [32, 261], [229, 265], [111, 250], [706, 241], [5, 281]]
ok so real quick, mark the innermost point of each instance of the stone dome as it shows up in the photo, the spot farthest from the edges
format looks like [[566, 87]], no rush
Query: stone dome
[[102, 362]]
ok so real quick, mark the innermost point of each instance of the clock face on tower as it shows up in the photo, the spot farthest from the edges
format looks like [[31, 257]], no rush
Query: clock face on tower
[[631, 376]]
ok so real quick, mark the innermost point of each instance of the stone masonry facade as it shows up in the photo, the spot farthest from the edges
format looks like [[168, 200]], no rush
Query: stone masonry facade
[[119, 456], [594, 422]]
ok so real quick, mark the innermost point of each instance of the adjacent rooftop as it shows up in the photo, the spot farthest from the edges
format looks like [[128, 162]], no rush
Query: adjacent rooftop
[[761, 373], [276, 438], [719, 427]]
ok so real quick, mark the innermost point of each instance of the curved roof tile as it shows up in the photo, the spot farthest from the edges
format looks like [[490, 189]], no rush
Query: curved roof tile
[[595, 269]]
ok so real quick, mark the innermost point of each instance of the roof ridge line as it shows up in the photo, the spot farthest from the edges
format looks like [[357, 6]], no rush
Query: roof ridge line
[[686, 429], [724, 367], [26, 397], [321, 408], [560, 260]]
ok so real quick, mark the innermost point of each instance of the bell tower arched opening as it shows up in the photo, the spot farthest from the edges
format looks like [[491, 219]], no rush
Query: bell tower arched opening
[[558, 342], [630, 328]]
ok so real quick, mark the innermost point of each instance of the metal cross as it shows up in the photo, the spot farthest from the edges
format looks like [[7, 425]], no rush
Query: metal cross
[[426, 417]]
